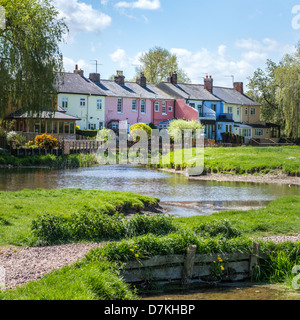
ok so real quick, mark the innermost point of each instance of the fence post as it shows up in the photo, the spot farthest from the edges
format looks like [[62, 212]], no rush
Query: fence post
[[189, 264], [254, 259]]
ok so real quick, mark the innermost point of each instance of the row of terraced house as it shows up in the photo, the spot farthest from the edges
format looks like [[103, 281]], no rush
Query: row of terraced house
[[93, 103]]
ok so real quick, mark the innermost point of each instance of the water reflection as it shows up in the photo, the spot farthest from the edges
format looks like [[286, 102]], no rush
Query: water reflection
[[165, 186]]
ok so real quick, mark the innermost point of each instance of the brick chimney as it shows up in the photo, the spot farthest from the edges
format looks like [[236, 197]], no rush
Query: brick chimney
[[239, 86], [209, 84], [172, 78], [80, 72], [94, 77], [141, 80], [119, 78]]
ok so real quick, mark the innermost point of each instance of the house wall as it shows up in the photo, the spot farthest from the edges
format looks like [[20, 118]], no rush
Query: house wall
[[159, 116], [89, 114], [132, 117], [237, 111], [184, 111], [266, 133], [247, 117]]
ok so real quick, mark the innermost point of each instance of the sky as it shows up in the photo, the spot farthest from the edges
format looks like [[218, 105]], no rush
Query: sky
[[228, 39]]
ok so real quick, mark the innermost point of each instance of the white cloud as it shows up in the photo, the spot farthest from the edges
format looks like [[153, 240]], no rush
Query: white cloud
[[140, 4], [120, 57], [81, 17]]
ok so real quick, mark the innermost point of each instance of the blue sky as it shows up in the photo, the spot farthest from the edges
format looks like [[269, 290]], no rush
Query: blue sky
[[217, 37]]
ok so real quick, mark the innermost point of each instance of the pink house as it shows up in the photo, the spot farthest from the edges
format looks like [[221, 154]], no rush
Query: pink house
[[134, 102]]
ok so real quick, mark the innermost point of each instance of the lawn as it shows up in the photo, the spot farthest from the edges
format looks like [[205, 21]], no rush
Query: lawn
[[19, 209], [249, 160]]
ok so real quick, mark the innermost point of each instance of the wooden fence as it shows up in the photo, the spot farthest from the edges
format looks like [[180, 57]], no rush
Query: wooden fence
[[193, 268]]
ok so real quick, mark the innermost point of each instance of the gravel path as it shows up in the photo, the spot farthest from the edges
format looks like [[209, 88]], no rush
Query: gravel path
[[24, 265]]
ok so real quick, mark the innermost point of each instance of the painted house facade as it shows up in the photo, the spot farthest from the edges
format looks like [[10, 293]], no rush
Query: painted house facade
[[133, 102], [81, 98]]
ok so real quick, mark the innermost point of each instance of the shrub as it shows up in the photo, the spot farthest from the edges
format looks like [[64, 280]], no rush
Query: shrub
[[220, 228], [141, 126], [46, 140]]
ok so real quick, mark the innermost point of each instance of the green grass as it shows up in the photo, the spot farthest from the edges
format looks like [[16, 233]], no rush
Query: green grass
[[280, 217], [52, 161], [19, 209], [248, 160]]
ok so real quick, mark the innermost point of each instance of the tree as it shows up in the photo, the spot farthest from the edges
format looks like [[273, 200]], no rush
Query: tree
[[277, 89], [157, 63], [29, 54]]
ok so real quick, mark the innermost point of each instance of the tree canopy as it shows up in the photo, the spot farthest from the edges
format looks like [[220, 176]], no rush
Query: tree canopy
[[29, 54], [157, 63], [277, 89]]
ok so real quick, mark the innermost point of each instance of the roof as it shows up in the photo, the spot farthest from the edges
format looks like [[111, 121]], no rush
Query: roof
[[231, 96], [75, 84], [45, 114], [187, 91], [132, 90]]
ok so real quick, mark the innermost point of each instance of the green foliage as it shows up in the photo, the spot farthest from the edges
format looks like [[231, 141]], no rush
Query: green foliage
[[87, 133], [157, 63], [141, 126], [29, 51], [218, 228]]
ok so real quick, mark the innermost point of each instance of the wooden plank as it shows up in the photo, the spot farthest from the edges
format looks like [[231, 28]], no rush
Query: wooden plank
[[189, 264], [254, 260], [206, 258], [153, 274], [155, 261]]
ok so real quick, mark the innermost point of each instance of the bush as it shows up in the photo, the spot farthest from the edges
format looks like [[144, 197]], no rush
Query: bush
[[220, 228], [141, 126], [46, 140]]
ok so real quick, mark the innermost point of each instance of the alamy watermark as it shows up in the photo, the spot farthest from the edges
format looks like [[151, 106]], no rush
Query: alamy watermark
[[181, 147], [296, 19], [2, 18], [295, 282], [2, 277]]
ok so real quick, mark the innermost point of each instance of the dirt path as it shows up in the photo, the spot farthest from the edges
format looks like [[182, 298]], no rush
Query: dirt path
[[28, 264]]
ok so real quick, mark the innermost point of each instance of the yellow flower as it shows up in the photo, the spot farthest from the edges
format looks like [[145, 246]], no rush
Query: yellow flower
[[131, 250], [222, 268], [135, 246], [136, 255]]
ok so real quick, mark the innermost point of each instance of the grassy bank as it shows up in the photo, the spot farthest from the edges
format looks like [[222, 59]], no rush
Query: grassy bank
[[52, 161], [247, 160], [54, 210], [97, 275]]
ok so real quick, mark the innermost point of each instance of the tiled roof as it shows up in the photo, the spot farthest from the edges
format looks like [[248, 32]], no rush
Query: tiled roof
[[46, 114], [187, 91], [132, 90], [231, 96], [75, 84]]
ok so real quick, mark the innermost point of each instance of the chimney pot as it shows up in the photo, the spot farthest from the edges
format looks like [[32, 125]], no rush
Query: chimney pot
[[119, 78], [141, 80], [208, 84]]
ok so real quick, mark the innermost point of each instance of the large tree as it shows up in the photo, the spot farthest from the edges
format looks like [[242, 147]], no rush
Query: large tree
[[29, 54], [277, 89], [157, 63]]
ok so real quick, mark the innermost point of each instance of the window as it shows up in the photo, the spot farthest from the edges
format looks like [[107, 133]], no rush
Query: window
[[82, 102], [192, 105], [92, 126], [228, 128], [120, 106], [164, 108], [238, 111], [156, 107], [220, 127], [64, 103], [214, 107], [143, 106], [230, 110], [246, 111], [101, 125], [99, 104], [170, 108], [253, 111], [133, 104], [246, 132], [259, 132]]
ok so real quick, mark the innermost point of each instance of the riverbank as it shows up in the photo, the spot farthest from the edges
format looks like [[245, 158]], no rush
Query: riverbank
[[277, 178]]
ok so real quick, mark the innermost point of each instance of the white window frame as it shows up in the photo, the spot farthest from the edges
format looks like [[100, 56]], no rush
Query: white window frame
[[246, 111], [259, 132], [120, 105], [238, 111], [170, 109], [230, 110], [143, 106], [134, 105], [156, 106], [164, 108], [99, 104], [82, 102], [65, 102], [92, 126]]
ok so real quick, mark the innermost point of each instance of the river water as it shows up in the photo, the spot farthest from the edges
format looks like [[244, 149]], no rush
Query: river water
[[179, 195]]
